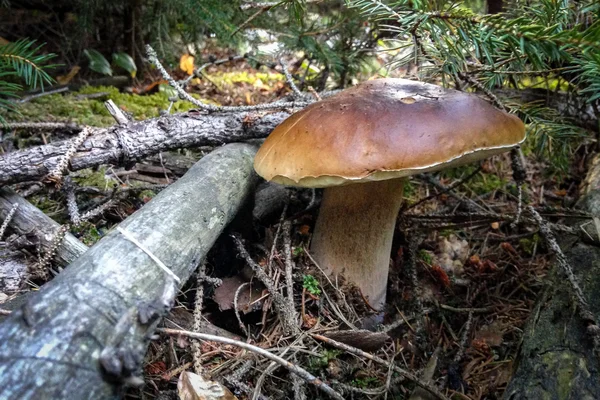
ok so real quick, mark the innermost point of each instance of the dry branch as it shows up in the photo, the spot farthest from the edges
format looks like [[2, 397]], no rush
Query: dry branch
[[301, 372], [84, 334], [125, 143]]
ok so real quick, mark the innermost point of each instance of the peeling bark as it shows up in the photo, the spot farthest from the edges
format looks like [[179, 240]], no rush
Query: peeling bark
[[84, 333]]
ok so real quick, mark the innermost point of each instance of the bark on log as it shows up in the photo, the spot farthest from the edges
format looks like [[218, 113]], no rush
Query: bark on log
[[125, 143], [33, 224], [84, 332], [13, 272], [557, 359]]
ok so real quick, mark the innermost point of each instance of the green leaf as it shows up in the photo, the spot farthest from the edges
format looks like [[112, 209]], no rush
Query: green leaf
[[125, 61], [98, 63], [311, 284]]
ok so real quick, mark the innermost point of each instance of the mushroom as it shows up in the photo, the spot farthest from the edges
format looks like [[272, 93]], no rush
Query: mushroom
[[360, 145]]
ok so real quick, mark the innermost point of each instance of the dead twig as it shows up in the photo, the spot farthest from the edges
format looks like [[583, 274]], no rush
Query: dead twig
[[381, 361], [289, 268], [57, 173], [282, 306], [46, 126], [153, 57], [437, 184], [290, 80], [593, 330], [236, 311], [7, 220], [301, 372]]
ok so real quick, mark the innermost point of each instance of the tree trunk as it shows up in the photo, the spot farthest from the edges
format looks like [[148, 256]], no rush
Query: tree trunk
[[557, 359], [495, 6], [84, 334]]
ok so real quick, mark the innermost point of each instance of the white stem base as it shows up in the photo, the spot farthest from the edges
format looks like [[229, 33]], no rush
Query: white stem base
[[354, 232]]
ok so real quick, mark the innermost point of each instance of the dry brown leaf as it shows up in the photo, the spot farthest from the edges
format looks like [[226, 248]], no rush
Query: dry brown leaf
[[491, 334], [248, 296], [194, 387]]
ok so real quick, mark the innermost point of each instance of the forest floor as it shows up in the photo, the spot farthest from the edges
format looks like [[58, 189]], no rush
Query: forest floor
[[462, 284]]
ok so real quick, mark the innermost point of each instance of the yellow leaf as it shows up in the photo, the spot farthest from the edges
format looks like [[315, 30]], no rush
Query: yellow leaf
[[186, 64], [65, 79]]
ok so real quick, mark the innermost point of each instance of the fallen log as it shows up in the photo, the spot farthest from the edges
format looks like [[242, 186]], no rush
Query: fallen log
[[124, 144], [84, 334], [557, 358], [39, 229]]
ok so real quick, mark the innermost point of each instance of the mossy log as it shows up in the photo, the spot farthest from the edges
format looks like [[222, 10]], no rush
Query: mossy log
[[557, 359], [84, 334]]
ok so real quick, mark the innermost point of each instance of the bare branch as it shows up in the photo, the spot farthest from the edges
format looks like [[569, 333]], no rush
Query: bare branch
[[304, 374]]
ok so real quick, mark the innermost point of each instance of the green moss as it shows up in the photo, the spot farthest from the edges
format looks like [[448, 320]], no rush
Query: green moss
[[481, 183], [564, 366], [366, 382], [87, 233], [146, 195], [425, 256], [409, 191], [230, 78], [527, 245], [95, 178], [92, 112], [73, 107], [47, 205]]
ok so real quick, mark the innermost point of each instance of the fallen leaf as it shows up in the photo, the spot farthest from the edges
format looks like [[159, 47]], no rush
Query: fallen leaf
[[362, 339], [309, 321], [186, 64], [247, 298], [440, 275], [507, 247], [561, 192], [491, 334], [194, 387], [65, 79], [156, 368], [304, 230]]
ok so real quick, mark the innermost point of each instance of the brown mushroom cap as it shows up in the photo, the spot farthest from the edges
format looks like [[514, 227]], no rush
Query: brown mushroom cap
[[384, 129]]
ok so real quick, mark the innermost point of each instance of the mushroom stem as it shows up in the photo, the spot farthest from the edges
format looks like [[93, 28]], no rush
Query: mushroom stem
[[354, 231]]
